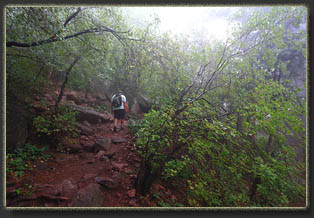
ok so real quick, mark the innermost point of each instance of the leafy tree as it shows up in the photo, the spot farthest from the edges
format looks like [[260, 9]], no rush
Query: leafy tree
[[231, 121]]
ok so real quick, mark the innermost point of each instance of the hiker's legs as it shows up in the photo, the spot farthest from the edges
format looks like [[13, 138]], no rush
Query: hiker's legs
[[122, 123], [116, 122], [118, 117], [122, 119]]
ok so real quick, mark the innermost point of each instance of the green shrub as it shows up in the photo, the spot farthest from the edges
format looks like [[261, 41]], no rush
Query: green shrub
[[215, 161], [61, 124], [18, 160]]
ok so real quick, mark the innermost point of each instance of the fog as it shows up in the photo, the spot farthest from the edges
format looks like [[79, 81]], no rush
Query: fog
[[210, 22]]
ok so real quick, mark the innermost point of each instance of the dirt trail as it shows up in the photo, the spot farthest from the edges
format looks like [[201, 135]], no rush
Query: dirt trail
[[100, 178]]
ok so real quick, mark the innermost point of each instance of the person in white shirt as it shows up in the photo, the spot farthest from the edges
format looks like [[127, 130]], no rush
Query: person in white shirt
[[118, 108]]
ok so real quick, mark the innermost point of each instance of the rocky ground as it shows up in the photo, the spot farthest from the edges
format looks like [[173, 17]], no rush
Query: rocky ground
[[99, 175], [97, 169]]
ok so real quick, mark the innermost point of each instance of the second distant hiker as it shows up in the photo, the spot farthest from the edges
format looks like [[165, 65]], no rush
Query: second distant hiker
[[118, 102]]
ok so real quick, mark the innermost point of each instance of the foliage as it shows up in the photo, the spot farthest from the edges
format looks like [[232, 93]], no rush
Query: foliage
[[223, 111], [217, 160], [20, 159], [60, 125]]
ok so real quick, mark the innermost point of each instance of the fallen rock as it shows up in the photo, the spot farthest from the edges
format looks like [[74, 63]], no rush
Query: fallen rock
[[86, 123], [110, 154], [105, 159], [118, 167], [90, 161], [131, 193], [84, 138], [128, 171], [67, 189], [89, 147], [90, 196], [132, 203], [41, 166], [107, 182], [84, 129], [89, 176], [100, 155], [90, 115], [73, 97], [117, 175], [104, 143], [61, 157], [118, 140], [75, 148]]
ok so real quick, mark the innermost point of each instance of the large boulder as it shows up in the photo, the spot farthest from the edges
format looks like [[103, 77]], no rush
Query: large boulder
[[102, 143], [85, 130], [143, 103], [107, 182], [90, 115], [140, 104], [89, 196], [73, 96]]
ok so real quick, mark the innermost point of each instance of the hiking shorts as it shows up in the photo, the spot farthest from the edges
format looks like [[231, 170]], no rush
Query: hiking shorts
[[119, 114]]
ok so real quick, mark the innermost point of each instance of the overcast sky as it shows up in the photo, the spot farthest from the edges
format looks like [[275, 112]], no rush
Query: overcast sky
[[211, 21]]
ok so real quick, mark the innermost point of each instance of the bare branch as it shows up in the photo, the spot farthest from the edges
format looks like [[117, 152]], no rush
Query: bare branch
[[71, 17]]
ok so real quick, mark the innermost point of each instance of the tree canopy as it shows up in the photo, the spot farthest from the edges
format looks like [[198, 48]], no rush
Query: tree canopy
[[223, 111]]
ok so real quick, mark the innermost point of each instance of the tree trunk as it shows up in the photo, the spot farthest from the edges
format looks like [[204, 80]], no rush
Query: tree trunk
[[269, 143], [64, 83], [144, 179], [38, 74], [253, 189]]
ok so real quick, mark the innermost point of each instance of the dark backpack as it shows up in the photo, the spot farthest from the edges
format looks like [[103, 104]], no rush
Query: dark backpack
[[117, 100]]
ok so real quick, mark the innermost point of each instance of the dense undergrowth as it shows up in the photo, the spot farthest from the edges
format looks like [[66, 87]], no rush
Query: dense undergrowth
[[218, 164], [228, 124]]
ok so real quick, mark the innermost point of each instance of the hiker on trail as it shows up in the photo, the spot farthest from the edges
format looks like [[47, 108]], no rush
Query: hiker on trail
[[118, 102]]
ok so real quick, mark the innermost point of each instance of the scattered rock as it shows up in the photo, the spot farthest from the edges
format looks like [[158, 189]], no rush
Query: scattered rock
[[90, 115], [103, 143], [84, 129], [89, 147], [90, 196], [60, 157], [131, 193], [67, 189], [105, 159], [89, 176], [84, 138], [132, 203], [100, 154], [75, 148], [107, 182], [161, 187], [118, 167], [118, 140], [41, 166], [117, 175], [128, 171], [73, 97], [91, 161], [110, 154], [86, 123]]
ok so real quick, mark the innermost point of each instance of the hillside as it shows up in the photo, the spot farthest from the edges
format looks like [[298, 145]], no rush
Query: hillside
[[213, 122]]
